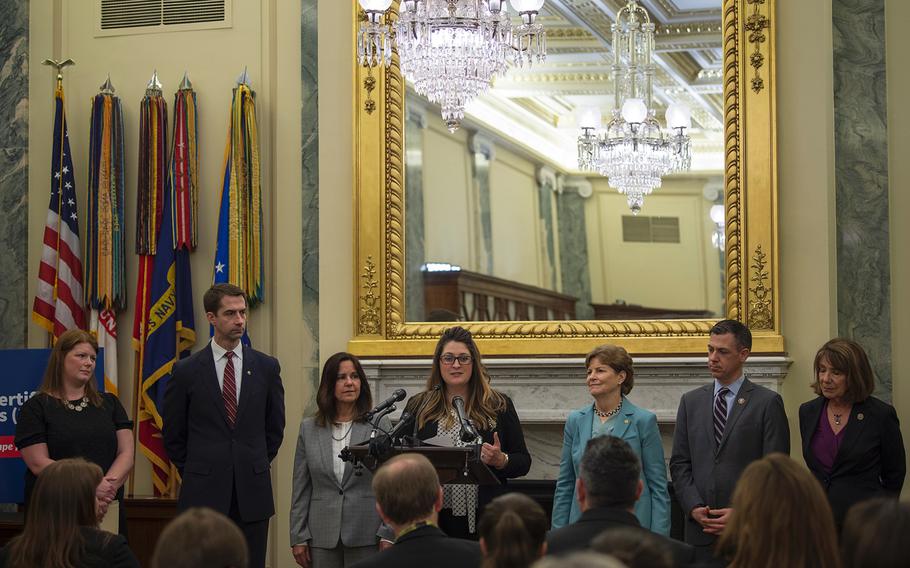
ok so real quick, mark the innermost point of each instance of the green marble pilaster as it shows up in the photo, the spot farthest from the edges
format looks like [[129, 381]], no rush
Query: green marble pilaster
[[414, 229], [573, 249], [546, 186], [14, 305], [309, 73], [861, 181]]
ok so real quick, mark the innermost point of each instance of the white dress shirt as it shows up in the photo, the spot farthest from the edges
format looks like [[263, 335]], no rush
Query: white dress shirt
[[218, 353]]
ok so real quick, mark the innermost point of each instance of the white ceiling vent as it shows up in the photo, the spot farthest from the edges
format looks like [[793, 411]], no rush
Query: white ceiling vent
[[124, 17], [643, 229]]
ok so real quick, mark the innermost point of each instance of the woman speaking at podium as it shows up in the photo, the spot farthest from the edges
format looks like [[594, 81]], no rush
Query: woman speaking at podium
[[458, 371]]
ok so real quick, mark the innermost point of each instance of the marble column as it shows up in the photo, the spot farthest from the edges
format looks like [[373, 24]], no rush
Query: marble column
[[310, 173], [414, 228], [546, 186], [14, 173], [481, 147], [861, 181], [573, 248]]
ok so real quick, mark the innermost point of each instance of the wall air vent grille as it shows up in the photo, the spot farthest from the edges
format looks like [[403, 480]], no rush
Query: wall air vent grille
[[118, 17], [641, 229]]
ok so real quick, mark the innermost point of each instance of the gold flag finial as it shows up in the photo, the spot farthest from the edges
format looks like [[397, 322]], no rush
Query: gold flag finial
[[185, 84], [154, 85], [107, 88]]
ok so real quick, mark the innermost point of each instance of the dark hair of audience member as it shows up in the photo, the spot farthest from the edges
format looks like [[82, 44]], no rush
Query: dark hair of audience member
[[874, 533], [610, 470], [513, 531], [780, 517], [406, 488], [201, 538], [63, 501], [583, 559], [634, 548]]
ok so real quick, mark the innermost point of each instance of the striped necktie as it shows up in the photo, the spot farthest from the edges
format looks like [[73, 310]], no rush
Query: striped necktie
[[720, 414], [229, 389]]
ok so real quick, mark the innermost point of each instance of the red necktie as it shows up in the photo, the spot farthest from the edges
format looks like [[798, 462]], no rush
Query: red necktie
[[229, 390]]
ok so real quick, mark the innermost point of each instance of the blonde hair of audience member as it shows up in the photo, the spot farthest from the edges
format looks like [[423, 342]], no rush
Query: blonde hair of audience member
[[780, 517], [513, 532], [63, 502], [634, 547], [407, 491], [585, 559], [53, 383], [201, 538], [873, 533]]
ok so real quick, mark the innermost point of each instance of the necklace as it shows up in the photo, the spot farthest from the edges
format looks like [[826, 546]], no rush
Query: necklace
[[603, 414], [836, 419], [346, 432], [78, 406]]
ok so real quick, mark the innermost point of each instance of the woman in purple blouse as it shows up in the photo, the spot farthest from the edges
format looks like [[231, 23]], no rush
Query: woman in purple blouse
[[851, 440]]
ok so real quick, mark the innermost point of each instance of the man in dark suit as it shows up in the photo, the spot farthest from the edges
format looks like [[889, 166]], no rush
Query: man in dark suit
[[721, 428], [408, 498], [608, 485], [224, 422]]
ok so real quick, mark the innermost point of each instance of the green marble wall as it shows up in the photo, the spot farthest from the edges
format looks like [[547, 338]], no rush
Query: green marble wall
[[310, 164], [14, 173], [861, 181]]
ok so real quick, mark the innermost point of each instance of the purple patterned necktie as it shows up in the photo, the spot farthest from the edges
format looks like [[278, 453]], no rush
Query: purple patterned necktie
[[229, 390], [720, 414]]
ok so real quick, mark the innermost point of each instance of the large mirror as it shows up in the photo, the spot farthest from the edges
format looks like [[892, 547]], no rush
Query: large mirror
[[495, 224]]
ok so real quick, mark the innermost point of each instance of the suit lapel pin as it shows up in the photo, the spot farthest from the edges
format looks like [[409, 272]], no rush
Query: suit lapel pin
[[249, 372], [626, 421], [741, 401], [860, 416]]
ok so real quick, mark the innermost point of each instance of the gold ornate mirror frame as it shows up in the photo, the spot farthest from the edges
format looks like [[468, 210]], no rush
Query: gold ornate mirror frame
[[750, 181]]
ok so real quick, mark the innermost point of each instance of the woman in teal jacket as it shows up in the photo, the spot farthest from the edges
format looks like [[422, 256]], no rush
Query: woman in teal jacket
[[609, 379]]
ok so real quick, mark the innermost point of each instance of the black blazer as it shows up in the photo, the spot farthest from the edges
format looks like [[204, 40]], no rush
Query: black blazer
[[871, 460], [212, 457], [426, 546], [511, 439], [594, 522], [102, 550]]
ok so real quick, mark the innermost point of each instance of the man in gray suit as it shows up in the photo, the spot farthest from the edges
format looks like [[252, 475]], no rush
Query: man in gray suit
[[720, 429]]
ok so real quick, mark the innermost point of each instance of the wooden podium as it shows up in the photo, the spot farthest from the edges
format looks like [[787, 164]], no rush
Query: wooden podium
[[454, 465]]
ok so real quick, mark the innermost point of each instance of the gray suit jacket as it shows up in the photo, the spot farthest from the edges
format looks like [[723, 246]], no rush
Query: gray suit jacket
[[704, 473], [322, 510]]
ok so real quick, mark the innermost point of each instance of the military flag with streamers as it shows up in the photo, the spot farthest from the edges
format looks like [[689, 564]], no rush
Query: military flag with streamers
[[238, 251], [184, 172], [169, 334], [104, 250], [58, 301]]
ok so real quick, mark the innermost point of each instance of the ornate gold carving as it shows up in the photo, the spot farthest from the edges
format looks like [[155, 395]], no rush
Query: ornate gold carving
[[760, 315], [369, 303], [756, 24], [369, 83], [732, 174]]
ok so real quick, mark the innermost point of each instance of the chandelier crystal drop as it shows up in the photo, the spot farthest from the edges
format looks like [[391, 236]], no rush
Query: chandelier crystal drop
[[452, 50], [633, 151]]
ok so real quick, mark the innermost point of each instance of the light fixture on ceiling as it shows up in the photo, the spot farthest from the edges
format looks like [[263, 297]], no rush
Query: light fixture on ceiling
[[718, 237], [452, 49], [633, 151]]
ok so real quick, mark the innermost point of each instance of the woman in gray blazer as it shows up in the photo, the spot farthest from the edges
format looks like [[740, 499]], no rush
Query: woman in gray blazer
[[333, 512]]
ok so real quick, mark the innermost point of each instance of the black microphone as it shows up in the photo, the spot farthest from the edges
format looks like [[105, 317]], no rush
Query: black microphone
[[468, 433], [397, 396], [404, 424]]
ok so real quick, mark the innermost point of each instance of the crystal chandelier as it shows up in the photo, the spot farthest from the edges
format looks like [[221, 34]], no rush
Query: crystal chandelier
[[633, 151], [452, 49]]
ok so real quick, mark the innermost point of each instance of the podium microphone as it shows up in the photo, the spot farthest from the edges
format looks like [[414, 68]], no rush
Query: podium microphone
[[468, 432], [403, 426], [397, 396]]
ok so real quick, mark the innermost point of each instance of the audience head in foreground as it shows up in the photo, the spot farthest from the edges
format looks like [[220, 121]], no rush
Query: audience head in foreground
[[780, 517], [609, 476], [408, 498], [584, 559], [201, 538], [874, 533], [634, 548], [513, 532], [61, 523]]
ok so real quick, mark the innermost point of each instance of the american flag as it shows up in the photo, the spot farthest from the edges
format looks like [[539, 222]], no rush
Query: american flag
[[58, 302]]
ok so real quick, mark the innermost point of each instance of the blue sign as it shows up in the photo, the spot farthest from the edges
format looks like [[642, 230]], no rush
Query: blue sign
[[23, 370]]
